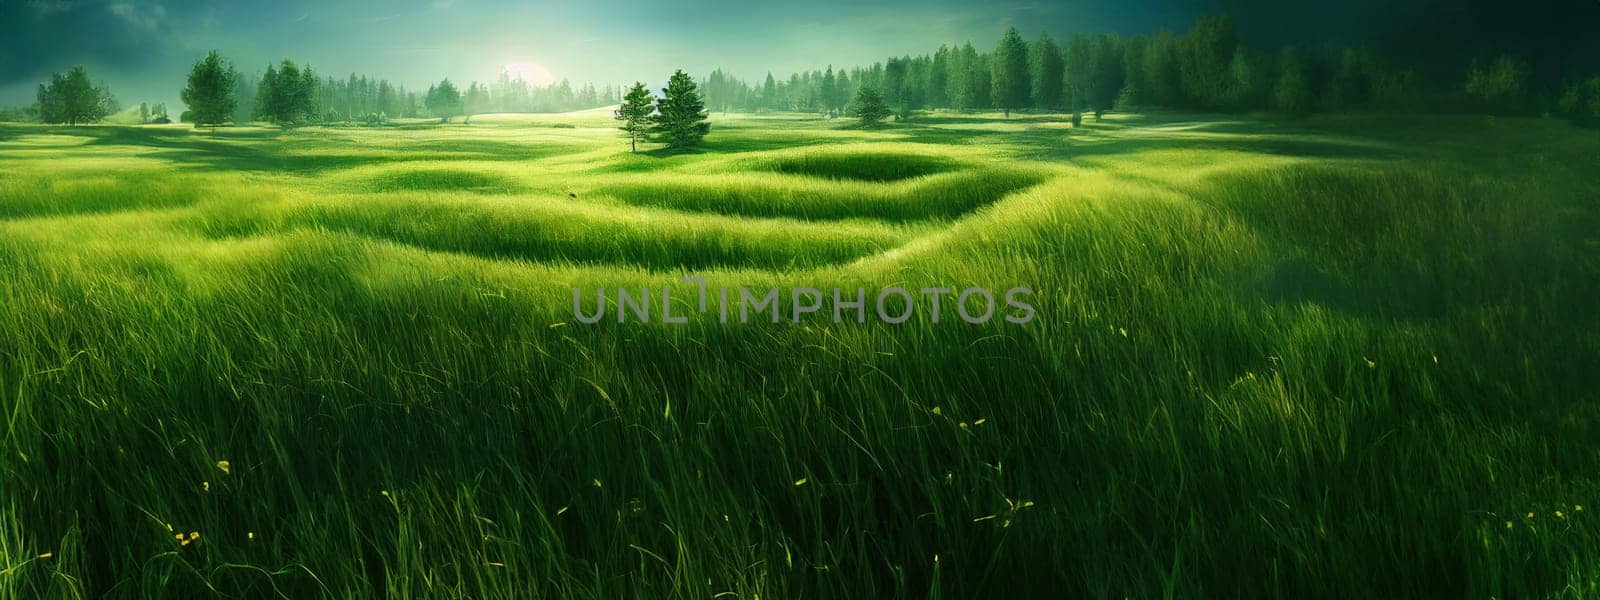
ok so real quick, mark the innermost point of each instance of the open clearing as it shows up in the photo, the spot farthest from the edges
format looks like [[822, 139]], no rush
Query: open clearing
[[1352, 353]]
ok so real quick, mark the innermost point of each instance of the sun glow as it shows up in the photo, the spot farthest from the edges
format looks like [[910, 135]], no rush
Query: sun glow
[[530, 72]]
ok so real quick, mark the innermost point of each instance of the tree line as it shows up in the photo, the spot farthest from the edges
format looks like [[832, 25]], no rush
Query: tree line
[[291, 94], [1207, 68]]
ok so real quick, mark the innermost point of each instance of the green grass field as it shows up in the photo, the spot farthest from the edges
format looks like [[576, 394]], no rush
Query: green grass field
[[1349, 356]]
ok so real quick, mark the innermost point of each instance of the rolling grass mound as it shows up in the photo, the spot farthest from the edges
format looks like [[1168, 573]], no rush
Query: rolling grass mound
[[24, 197], [554, 230], [1362, 368], [859, 166], [939, 197], [437, 179]]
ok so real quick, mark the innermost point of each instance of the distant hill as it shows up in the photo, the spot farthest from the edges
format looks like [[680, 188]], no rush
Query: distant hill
[[126, 116]]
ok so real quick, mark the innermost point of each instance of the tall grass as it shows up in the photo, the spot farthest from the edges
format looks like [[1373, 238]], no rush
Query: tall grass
[[1252, 373]]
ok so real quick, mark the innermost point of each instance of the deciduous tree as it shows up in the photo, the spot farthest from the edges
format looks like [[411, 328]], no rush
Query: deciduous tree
[[72, 99]]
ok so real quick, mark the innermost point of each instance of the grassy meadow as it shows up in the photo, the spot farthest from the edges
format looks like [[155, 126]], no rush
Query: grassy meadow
[[1344, 356]]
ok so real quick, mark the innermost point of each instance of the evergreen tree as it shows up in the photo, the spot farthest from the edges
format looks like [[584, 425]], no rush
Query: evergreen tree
[[1009, 72], [1354, 81], [869, 107], [1204, 57], [844, 90], [307, 103], [894, 83], [1248, 87], [938, 84], [387, 105], [1133, 93], [769, 92], [1292, 94], [680, 119], [974, 70], [268, 96], [913, 90], [1079, 72], [1105, 72], [443, 100], [634, 113], [830, 91], [285, 96], [210, 92], [476, 101], [1161, 77], [1045, 69], [245, 96], [49, 105]]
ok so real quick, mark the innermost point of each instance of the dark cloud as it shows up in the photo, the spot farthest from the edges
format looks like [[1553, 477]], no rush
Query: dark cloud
[[38, 37]]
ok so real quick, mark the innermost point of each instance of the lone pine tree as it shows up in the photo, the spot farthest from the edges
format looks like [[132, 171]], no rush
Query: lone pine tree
[[680, 120], [634, 113], [869, 107]]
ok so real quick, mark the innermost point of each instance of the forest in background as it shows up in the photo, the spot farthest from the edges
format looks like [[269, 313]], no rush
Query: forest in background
[[1207, 68]]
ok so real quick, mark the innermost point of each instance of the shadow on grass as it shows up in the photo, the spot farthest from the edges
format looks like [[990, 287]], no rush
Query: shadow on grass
[[266, 150], [1129, 134]]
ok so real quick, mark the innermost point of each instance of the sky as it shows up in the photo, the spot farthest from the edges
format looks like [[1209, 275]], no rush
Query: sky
[[143, 48]]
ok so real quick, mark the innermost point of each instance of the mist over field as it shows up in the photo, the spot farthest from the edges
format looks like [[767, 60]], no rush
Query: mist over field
[[774, 300]]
